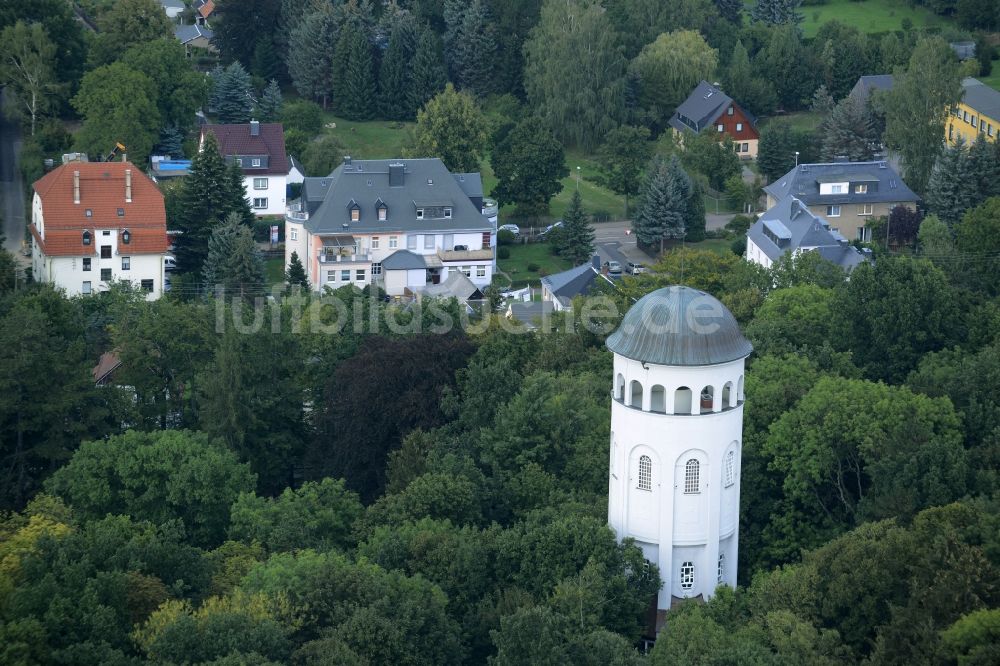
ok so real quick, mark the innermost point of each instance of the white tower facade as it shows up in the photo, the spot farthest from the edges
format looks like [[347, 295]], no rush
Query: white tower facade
[[676, 436]]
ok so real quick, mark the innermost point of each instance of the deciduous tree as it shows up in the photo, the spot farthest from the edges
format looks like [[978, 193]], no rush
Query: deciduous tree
[[626, 151], [128, 23], [27, 68], [669, 69], [529, 164], [452, 127]]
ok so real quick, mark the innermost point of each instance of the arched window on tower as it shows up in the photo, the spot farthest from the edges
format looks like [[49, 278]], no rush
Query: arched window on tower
[[682, 400], [691, 474], [645, 473], [657, 399], [636, 399], [730, 468], [620, 387], [687, 575], [722, 568], [727, 395]]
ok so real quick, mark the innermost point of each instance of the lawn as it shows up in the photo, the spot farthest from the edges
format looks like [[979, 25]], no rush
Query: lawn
[[868, 15], [274, 270], [536, 254], [993, 79], [370, 139], [801, 120]]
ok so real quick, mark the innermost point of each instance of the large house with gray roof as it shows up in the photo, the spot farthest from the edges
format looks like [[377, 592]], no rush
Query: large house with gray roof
[[402, 224], [790, 227], [848, 195], [708, 109]]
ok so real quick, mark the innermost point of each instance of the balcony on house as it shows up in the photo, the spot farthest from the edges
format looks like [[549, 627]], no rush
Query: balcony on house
[[296, 211], [342, 249]]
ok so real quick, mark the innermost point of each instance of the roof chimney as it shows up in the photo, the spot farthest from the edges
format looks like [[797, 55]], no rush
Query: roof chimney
[[128, 185], [76, 187], [347, 160], [254, 128]]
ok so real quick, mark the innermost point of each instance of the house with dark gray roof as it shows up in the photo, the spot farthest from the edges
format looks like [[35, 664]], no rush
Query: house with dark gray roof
[[197, 36], [708, 109], [561, 288], [848, 195], [866, 85], [401, 224], [789, 226]]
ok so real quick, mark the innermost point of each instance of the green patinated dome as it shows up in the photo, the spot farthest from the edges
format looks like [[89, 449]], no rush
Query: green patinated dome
[[679, 326]]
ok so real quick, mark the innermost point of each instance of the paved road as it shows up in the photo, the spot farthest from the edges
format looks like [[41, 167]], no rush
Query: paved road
[[11, 189], [614, 244]]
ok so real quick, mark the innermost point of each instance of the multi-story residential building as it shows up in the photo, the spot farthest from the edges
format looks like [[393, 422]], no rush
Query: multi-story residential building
[[708, 109], [95, 222], [848, 195], [978, 113], [402, 224], [790, 227], [259, 150]]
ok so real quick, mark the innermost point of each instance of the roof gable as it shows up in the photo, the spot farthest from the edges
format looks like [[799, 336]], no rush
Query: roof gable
[[803, 182], [238, 140]]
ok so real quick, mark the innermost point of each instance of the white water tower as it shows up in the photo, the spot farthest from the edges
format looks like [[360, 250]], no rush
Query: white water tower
[[676, 435]]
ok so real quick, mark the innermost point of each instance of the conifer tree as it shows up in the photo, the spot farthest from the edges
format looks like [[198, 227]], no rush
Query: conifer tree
[[577, 234], [269, 108], [233, 261], [474, 50], [171, 142], [984, 157], [731, 10], [776, 12], [395, 73], [232, 95], [357, 93], [266, 63], [849, 131], [296, 273], [951, 189], [428, 76], [664, 207], [310, 59]]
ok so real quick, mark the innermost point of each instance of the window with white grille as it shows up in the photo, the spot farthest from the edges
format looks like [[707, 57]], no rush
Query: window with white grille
[[730, 468], [645, 473], [691, 472], [722, 568], [687, 575]]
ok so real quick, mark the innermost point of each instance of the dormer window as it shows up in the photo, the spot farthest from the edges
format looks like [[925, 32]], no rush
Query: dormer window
[[256, 162], [89, 213], [447, 212], [121, 212], [355, 210], [729, 111], [87, 238], [861, 189], [420, 213], [239, 162], [126, 237]]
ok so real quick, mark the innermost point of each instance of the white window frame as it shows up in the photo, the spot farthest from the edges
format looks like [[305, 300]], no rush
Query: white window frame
[[86, 264], [645, 476], [393, 242], [720, 127], [729, 111], [692, 477], [721, 568], [864, 234], [376, 268], [260, 183], [259, 203], [152, 286], [293, 234], [355, 214], [87, 287], [746, 147], [375, 242], [411, 242], [383, 213], [331, 276], [830, 210], [480, 271], [739, 127], [420, 213], [861, 188], [866, 209], [836, 188], [447, 213], [345, 274], [359, 275], [126, 263], [467, 271], [687, 575], [730, 469], [255, 162], [428, 241]]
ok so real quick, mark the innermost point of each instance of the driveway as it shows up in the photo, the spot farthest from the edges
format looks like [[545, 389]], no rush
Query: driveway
[[11, 187]]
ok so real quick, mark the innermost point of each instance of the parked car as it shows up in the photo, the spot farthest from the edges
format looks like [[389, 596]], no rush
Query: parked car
[[614, 268], [545, 232], [512, 228], [634, 268], [169, 263]]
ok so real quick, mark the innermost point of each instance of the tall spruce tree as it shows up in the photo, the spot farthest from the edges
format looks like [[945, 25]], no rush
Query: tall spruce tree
[[952, 187], [232, 95], [665, 205], [731, 10], [776, 154], [206, 197], [354, 78], [428, 76], [233, 262], [984, 156], [311, 49], [269, 108], [776, 12], [475, 49], [396, 72], [577, 234], [849, 131]]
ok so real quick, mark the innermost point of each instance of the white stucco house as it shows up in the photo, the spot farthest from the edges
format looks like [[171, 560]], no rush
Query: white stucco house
[[402, 224], [676, 439], [95, 222], [259, 150]]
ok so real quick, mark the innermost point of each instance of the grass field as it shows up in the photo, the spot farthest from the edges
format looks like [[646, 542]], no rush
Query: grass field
[[993, 79], [538, 254], [801, 120], [274, 271], [868, 15], [370, 139]]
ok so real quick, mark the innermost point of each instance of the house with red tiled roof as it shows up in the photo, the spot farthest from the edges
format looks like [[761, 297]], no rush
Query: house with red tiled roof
[[95, 222], [203, 10], [259, 150]]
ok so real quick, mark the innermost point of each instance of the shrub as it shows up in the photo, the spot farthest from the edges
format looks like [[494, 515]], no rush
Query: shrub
[[505, 237], [740, 224], [503, 252], [304, 116], [533, 268], [739, 246]]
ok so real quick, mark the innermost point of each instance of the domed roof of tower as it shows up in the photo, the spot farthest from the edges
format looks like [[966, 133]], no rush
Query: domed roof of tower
[[679, 326]]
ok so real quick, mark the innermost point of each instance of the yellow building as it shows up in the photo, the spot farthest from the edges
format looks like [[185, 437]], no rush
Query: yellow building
[[977, 113]]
